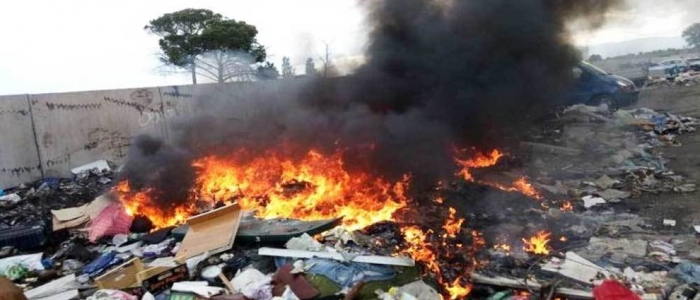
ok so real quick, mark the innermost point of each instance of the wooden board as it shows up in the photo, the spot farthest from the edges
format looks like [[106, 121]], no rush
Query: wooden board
[[150, 272], [121, 277], [213, 231], [369, 259], [281, 230]]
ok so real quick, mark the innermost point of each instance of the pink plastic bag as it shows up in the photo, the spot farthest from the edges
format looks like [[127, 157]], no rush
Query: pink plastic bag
[[111, 221]]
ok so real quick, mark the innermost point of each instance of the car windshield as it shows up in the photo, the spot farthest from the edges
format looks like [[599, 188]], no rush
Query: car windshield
[[593, 69]]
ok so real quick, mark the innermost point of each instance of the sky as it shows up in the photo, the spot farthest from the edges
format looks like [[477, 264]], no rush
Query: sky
[[74, 45], [639, 19]]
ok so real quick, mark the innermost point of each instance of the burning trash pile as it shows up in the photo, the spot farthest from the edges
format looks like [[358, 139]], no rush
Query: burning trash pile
[[401, 181], [312, 227]]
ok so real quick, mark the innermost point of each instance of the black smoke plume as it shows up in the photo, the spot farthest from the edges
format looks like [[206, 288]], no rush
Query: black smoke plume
[[439, 74]]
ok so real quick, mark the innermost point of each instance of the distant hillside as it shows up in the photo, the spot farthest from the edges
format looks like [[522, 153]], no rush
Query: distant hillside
[[636, 46]]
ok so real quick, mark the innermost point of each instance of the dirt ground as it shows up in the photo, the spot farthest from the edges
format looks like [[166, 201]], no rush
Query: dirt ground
[[684, 160]]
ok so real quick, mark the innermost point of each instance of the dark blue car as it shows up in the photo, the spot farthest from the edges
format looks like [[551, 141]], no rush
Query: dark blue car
[[594, 86]]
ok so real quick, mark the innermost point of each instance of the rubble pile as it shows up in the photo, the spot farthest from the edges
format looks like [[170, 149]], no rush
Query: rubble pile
[[688, 78], [25, 213]]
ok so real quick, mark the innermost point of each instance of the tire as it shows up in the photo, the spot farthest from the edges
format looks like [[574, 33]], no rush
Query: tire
[[607, 100]]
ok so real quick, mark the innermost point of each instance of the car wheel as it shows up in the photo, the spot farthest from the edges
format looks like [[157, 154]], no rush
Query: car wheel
[[607, 100]]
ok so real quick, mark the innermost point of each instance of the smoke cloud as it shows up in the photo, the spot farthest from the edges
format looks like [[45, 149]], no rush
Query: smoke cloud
[[439, 74]]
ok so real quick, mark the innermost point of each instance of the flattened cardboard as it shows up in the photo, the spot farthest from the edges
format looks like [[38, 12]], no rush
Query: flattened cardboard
[[121, 277], [213, 231], [76, 216], [68, 214]]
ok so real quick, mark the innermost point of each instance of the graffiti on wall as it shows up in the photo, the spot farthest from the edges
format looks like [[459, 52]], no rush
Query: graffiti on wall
[[109, 144], [141, 100], [19, 171], [175, 92], [64, 106], [22, 112]]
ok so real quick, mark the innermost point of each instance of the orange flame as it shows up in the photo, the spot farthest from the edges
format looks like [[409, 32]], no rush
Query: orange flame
[[141, 203], [502, 247], [457, 290], [315, 187], [439, 200], [567, 206], [480, 160], [521, 185], [420, 249], [452, 225], [537, 244]]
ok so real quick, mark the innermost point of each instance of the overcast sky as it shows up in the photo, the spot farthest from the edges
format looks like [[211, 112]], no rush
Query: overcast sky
[[72, 45]]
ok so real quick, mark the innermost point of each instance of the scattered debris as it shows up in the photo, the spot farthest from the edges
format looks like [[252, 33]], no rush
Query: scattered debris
[[96, 166], [590, 201]]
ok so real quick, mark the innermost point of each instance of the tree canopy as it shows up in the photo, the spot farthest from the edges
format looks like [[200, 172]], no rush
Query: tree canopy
[[692, 35], [595, 57], [287, 69], [310, 67], [207, 44], [268, 71]]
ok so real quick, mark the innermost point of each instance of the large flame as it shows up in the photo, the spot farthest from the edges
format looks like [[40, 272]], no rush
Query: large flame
[[314, 187], [320, 186]]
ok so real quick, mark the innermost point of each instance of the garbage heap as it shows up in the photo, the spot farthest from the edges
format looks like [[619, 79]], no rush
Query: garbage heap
[[71, 239], [571, 236]]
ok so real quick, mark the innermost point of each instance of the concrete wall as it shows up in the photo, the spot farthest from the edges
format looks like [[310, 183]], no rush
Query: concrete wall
[[49, 134], [19, 161], [76, 128]]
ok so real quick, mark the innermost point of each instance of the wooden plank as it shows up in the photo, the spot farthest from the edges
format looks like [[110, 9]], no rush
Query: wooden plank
[[121, 277], [211, 232], [369, 259]]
